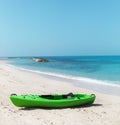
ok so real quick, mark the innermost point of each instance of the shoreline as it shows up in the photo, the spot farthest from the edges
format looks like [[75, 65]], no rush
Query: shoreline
[[95, 85], [105, 110]]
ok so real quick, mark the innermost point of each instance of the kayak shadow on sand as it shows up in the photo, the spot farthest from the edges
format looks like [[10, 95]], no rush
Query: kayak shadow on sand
[[81, 106], [88, 105]]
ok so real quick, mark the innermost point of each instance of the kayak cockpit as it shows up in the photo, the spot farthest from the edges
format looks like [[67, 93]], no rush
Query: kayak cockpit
[[58, 97]]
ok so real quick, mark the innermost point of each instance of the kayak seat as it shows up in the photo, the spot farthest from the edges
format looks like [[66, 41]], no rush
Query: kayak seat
[[47, 96], [69, 95]]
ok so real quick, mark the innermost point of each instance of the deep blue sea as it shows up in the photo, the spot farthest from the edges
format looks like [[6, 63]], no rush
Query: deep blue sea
[[103, 68]]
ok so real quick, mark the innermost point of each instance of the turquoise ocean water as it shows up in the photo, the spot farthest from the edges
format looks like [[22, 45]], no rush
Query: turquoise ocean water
[[101, 68]]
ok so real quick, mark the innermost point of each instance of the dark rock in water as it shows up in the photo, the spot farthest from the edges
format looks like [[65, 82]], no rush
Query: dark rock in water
[[40, 60]]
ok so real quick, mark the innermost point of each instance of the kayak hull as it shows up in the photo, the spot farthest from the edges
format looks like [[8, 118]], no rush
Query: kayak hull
[[52, 101]]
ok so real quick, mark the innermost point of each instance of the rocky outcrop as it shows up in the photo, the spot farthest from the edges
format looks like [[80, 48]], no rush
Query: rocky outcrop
[[40, 60]]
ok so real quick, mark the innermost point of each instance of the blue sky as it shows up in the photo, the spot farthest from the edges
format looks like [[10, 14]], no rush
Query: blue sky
[[59, 27]]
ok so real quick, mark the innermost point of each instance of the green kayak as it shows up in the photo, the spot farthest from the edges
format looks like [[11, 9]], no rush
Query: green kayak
[[52, 101]]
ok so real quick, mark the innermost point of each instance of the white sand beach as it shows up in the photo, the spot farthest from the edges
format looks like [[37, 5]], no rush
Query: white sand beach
[[104, 111]]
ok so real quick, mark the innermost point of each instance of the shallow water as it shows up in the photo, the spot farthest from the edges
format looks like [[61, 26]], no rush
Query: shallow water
[[102, 68]]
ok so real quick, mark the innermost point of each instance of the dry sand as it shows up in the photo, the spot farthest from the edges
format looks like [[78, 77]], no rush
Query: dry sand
[[104, 111]]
